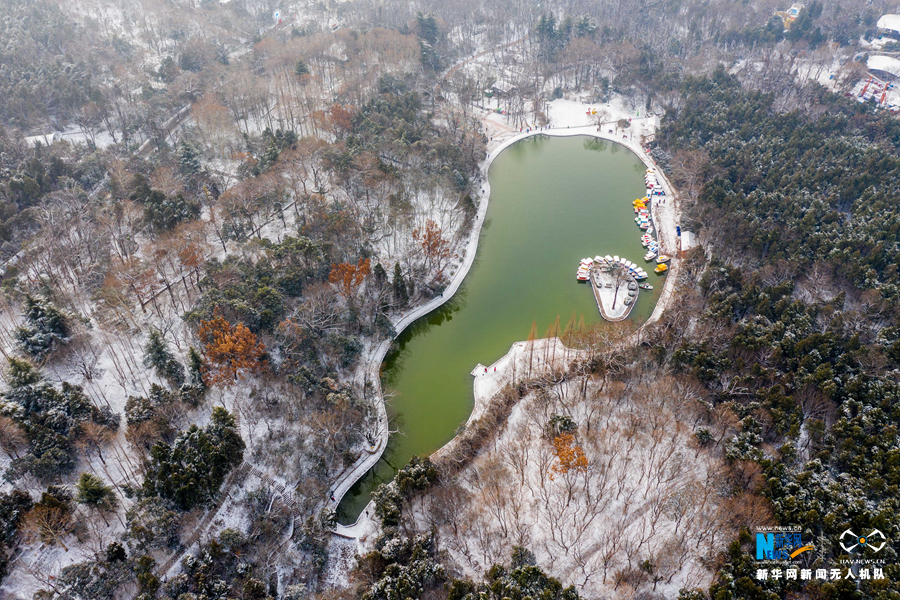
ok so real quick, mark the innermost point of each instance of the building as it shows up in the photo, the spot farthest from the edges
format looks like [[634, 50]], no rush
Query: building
[[687, 240], [884, 67], [889, 25], [45, 139], [790, 15]]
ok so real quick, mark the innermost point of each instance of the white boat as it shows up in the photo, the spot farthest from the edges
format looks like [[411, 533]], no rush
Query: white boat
[[598, 259], [640, 276], [616, 258], [649, 256], [608, 258], [663, 258]]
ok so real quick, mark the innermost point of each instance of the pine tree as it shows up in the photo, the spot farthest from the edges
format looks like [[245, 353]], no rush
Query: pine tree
[[301, 69], [189, 158], [191, 470], [158, 356], [45, 329], [195, 370], [380, 274], [401, 296], [93, 493]]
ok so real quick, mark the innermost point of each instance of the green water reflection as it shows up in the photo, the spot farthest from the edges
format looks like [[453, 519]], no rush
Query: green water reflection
[[553, 202]]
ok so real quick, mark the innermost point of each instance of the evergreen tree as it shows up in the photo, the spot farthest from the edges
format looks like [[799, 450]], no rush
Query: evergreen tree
[[14, 506], [45, 328], [380, 275], [191, 470], [401, 296], [192, 391], [428, 29], [189, 158], [158, 356], [51, 420], [92, 492], [301, 69]]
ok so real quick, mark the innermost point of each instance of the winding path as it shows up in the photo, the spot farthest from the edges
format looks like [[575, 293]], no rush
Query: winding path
[[665, 219]]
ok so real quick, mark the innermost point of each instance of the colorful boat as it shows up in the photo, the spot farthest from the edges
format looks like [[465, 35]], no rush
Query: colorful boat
[[645, 286], [661, 268]]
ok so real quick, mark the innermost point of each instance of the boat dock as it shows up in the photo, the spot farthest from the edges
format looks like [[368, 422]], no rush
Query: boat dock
[[610, 299]]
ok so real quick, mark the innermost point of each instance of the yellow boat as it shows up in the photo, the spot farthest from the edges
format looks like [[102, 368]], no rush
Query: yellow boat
[[661, 268]]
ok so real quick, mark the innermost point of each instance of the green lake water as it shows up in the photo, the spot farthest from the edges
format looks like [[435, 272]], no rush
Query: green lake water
[[553, 202]]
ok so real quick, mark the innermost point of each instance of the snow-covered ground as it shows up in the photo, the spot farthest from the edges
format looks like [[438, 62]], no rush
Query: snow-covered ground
[[644, 494]]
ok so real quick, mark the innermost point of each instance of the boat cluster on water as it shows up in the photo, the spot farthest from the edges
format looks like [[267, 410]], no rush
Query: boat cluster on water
[[642, 210], [604, 263]]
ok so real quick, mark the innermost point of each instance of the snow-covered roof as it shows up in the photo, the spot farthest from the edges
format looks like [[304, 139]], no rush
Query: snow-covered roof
[[886, 64], [891, 22], [45, 139]]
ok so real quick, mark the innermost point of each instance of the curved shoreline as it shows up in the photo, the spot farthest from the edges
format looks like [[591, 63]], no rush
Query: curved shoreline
[[375, 355]]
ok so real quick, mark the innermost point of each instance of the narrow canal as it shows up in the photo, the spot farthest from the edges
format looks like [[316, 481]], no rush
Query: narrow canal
[[553, 202]]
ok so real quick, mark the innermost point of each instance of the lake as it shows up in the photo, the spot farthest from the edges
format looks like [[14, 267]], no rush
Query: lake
[[553, 202]]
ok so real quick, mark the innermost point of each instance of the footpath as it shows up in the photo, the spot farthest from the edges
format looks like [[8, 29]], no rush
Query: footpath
[[665, 218]]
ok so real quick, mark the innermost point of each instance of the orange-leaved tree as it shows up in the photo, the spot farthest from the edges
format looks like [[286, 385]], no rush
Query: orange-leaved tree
[[347, 276], [435, 248], [570, 455], [231, 351]]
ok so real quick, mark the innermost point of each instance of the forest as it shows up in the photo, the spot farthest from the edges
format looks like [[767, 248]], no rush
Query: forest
[[795, 343], [210, 218]]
